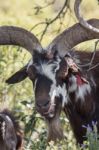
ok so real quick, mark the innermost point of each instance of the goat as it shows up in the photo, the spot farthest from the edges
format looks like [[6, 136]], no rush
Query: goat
[[10, 132], [59, 79]]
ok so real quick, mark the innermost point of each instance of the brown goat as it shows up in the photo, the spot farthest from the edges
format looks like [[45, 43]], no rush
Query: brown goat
[[10, 132], [83, 94], [60, 81]]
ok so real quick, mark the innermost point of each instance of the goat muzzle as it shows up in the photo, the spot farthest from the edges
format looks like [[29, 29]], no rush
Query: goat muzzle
[[47, 110]]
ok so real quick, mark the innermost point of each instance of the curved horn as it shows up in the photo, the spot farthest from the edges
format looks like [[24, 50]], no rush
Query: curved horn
[[10, 35], [81, 19], [73, 36]]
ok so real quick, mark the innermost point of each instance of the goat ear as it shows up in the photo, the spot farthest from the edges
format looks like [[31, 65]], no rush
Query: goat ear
[[18, 76]]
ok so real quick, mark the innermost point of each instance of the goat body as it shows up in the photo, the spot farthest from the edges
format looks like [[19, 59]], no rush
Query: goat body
[[83, 104]]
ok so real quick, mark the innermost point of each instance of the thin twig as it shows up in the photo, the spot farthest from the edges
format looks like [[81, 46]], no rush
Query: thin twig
[[84, 65], [53, 20], [48, 22], [93, 56], [36, 25], [61, 11], [90, 63], [93, 67], [39, 8]]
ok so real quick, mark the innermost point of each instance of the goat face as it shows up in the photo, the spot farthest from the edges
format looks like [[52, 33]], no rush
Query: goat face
[[49, 80], [49, 87]]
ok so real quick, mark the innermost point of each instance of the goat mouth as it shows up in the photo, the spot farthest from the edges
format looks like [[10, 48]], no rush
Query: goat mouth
[[51, 111], [49, 114]]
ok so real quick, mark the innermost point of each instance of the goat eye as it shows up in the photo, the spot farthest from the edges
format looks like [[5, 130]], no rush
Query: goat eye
[[46, 103]]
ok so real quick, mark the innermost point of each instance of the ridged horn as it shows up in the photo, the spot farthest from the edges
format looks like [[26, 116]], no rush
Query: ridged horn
[[81, 19], [10, 35], [72, 37]]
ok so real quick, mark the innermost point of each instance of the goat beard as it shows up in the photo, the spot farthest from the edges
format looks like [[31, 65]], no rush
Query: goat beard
[[55, 131]]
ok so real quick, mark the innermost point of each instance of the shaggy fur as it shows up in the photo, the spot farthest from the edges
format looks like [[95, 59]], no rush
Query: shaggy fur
[[10, 132]]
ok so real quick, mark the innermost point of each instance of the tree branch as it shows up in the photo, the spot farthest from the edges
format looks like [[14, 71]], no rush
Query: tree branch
[[53, 20], [93, 56], [48, 22]]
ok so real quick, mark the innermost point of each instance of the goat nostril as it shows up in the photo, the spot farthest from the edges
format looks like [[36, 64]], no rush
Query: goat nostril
[[39, 105], [47, 103]]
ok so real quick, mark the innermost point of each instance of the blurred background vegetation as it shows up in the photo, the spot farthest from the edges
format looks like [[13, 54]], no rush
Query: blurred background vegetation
[[43, 19]]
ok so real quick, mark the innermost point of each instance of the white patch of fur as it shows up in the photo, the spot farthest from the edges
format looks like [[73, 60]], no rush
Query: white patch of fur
[[58, 66], [52, 95], [8, 119], [47, 68], [81, 90], [3, 129], [35, 84], [56, 91], [73, 87], [30, 63], [62, 90], [47, 71]]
